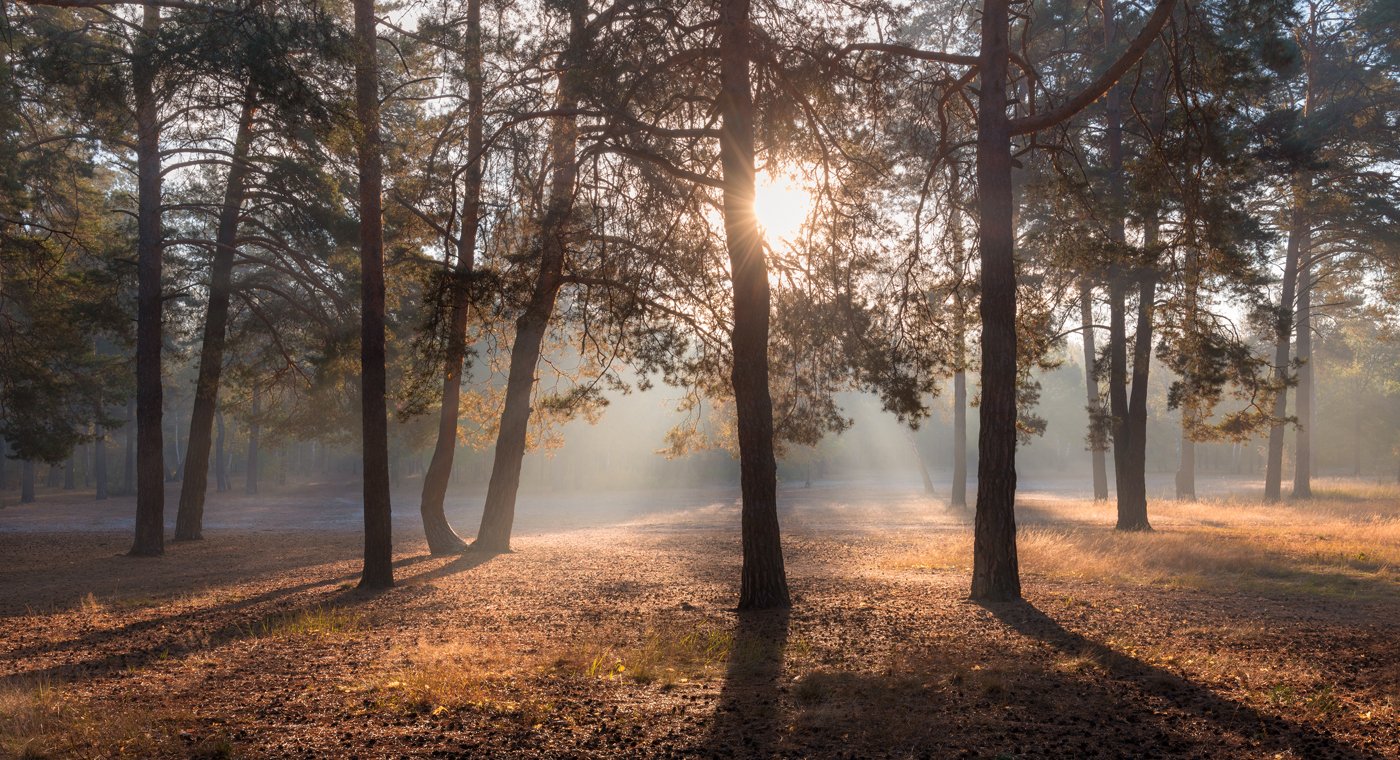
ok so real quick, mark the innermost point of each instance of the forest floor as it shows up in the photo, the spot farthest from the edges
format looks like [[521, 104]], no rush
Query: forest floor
[[1233, 630]]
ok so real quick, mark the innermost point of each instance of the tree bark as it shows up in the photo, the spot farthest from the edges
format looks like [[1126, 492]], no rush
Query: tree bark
[[70, 471], [763, 579], [4, 465], [995, 573], [26, 482], [129, 450], [220, 462], [441, 538], [1186, 469], [1132, 483], [99, 463], [250, 469], [958, 496], [379, 562], [1302, 468], [498, 516], [190, 518], [918, 459], [1091, 392], [1298, 231], [150, 455]]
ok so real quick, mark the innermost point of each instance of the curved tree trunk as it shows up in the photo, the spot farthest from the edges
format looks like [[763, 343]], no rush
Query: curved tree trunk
[[763, 579], [190, 518], [441, 538], [1302, 468], [150, 451], [995, 572], [498, 516], [379, 561], [1091, 393]]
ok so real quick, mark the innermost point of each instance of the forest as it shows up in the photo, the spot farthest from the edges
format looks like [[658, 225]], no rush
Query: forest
[[731, 378]]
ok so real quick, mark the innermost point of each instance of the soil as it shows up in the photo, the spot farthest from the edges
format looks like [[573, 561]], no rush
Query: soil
[[255, 643]]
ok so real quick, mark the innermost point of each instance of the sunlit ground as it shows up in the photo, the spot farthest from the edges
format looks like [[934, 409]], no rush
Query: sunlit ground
[[1234, 630]]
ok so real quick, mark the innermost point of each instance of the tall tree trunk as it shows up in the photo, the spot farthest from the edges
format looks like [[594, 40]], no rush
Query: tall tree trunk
[[1091, 392], [99, 461], [499, 513], [959, 492], [190, 518], [4, 465], [1298, 232], [995, 573], [918, 459], [1186, 468], [150, 456], [958, 496], [129, 450], [1302, 468], [220, 460], [441, 538], [250, 469], [26, 482], [763, 580], [1132, 484], [70, 472], [379, 561]]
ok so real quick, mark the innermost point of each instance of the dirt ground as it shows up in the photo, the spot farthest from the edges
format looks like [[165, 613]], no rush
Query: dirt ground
[[619, 640]]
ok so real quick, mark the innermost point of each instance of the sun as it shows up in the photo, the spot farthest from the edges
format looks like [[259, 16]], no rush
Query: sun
[[781, 205]]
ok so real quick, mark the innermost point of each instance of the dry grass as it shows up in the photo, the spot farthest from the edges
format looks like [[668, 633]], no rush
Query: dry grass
[[667, 654], [43, 721], [1346, 542], [437, 678], [317, 621]]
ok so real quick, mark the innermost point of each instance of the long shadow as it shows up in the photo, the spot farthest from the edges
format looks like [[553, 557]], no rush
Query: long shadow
[[747, 719], [1229, 715], [189, 638]]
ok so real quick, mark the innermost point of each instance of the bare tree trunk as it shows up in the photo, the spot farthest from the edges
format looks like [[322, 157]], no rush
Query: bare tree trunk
[[1091, 392], [1132, 485], [26, 482], [379, 561], [441, 538], [1302, 468], [220, 460], [958, 497], [150, 474], [70, 470], [4, 465], [250, 469], [763, 580], [498, 516], [1186, 469], [1298, 232], [190, 518], [99, 462], [918, 459], [129, 450], [995, 573]]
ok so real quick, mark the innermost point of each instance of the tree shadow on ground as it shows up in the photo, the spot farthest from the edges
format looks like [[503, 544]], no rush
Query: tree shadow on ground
[[1269, 732], [206, 628], [748, 719]]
